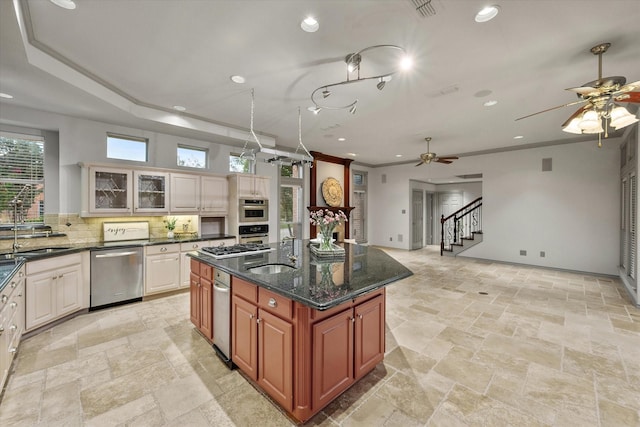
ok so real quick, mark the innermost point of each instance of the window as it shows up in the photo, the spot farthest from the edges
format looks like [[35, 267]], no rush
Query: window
[[126, 148], [291, 206], [192, 157], [237, 163], [21, 178]]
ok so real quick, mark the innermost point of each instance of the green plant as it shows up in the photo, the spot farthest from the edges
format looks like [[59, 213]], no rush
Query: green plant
[[170, 223]]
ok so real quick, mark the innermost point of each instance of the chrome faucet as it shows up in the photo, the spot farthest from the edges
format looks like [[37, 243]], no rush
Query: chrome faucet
[[292, 257], [17, 202]]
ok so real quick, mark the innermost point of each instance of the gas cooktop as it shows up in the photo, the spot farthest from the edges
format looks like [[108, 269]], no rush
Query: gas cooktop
[[219, 252]]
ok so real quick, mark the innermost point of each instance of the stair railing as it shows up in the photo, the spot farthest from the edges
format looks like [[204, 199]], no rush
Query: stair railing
[[460, 224]]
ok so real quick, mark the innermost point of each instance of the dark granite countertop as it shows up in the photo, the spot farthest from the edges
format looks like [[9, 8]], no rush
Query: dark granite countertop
[[317, 283]]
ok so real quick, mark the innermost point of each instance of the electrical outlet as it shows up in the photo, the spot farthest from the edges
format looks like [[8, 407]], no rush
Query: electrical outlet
[[404, 211], [523, 252], [391, 239], [542, 254]]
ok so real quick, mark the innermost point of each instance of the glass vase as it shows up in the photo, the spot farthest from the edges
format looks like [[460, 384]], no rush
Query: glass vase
[[325, 240]]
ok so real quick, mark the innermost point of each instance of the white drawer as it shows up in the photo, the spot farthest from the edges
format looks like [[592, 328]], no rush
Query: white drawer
[[162, 249], [194, 246], [53, 263]]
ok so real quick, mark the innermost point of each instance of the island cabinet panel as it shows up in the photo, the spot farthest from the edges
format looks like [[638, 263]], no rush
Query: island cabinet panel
[[201, 293], [332, 357], [244, 336], [369, 335], [275, 357]]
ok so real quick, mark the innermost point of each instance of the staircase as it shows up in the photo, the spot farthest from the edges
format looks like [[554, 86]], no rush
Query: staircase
[[462, 229]]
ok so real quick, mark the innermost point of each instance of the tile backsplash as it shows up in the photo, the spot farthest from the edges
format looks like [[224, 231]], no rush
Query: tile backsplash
[[81, 231]]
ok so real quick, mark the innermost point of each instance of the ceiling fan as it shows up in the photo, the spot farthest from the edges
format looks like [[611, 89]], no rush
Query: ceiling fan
[[429, 157], [600, 98]]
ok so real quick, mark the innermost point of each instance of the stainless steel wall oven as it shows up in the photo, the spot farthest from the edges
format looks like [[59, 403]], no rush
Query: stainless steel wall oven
[[253, 210]]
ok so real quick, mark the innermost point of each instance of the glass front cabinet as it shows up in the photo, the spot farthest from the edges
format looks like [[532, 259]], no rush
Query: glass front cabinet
[[150, 192], [109, 190]]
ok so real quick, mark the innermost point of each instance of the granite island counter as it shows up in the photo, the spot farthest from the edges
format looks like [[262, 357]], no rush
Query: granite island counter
[[304, 334]]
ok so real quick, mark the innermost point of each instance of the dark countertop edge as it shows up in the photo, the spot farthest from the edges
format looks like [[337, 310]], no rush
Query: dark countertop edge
[[70, 249], [17, 263], [37, 236], [320, 307]]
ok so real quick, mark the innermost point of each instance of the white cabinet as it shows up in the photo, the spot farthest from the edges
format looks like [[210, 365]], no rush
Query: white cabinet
[[185, 193], [162, 268], [214, 195], [185, 261], [150, 193], [54, 288], [109, 190], [252, 186], [11, 321], [203, 194]]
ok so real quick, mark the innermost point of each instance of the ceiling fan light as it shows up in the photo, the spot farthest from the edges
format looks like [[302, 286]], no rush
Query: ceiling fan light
[[620, 118], [381, 84], [573, 127], [591, 122]]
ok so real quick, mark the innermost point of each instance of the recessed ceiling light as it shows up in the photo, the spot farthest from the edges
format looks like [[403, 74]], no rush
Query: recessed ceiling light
[[179, 108], [6, 96], [490, 103], [398, 155], [518, 137], [65, 4], [487, 14], [351, 154], [309, 24], [342, 139], [406, 63], [238, 79]]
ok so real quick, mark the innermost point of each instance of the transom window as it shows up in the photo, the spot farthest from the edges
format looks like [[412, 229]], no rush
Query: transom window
[[127, 148], [192, 157], [237, 163]]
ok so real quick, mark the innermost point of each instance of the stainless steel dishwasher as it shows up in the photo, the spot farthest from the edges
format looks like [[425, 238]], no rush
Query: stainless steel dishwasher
[[222, 316], [116, 276]]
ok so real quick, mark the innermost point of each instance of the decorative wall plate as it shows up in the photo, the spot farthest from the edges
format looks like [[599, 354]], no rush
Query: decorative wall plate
[[332, 192]]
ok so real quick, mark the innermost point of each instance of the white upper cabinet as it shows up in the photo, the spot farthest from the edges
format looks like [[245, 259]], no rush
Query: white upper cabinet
[[109, 191], [214, 194], [185, 193], [151, 191], [252, 186]]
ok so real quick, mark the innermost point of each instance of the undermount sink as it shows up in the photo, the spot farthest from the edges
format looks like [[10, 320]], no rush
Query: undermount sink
[[40, 251], [272, 268]]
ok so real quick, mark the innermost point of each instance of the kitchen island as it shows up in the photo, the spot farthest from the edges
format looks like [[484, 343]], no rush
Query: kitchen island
[[303, 329]]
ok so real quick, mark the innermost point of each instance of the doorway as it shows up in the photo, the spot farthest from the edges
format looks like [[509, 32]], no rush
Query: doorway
[[417, 219]]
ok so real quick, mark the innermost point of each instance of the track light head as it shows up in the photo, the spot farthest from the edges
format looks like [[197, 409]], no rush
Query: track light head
[[381, 84]]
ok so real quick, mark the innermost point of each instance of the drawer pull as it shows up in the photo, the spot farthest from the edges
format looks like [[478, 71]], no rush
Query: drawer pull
[[13, 304], [4, 299], [13, 327], [13, 350], [13, 284], [163, 249], [1, 329], [273, 303]]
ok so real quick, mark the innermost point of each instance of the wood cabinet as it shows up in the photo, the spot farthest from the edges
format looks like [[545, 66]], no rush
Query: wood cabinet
[[12, 308], [162, 268], [262, 339], [199, 194], [150, 192], [54, 288], [201, 295]]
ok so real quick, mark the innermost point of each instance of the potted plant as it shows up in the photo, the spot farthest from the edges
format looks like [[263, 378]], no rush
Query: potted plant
[[170, 224]]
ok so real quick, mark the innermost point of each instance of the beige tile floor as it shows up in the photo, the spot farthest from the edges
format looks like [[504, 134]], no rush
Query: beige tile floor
[[542, 348]]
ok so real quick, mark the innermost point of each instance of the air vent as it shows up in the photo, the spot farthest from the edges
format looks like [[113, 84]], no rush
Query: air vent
[[470, 176], [424, 8]]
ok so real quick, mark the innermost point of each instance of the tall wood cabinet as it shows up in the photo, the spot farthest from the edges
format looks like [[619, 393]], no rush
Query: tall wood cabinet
[[201, 293]]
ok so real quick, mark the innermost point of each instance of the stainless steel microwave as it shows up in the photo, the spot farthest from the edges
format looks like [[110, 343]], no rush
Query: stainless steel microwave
[[253, 210]]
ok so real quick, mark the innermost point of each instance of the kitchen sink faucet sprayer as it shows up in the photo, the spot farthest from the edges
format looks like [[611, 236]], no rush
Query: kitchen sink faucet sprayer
[[17, 202]]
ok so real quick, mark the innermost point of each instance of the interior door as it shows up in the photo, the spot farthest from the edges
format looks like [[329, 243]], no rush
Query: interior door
[[417, 222], [449, 203]]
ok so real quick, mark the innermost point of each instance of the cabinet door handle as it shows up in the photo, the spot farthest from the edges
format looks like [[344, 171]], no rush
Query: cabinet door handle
[[251, 316], [360, 316], [1, 329], [13, 284], [13, 327], [21, 274], [13, 304], [273, 303], [4, 299], [258, 320], [353, 320], [13, 350]]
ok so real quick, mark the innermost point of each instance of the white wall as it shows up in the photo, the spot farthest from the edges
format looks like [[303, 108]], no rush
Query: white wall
[[571, 213]]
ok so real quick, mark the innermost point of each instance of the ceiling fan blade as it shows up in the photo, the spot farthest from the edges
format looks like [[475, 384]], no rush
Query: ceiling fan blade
[[422, 162], [629, 97], [448, 157], [630, 86], [445, 161], [584, 90], [554, 108], [576, 114]]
